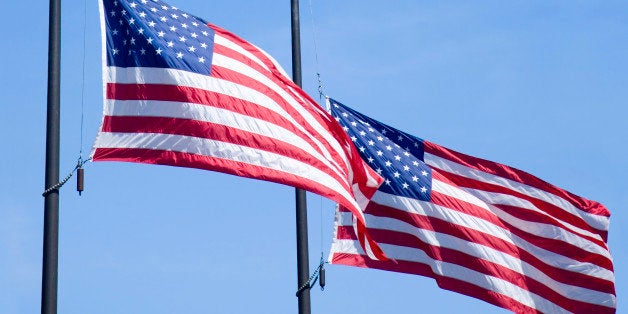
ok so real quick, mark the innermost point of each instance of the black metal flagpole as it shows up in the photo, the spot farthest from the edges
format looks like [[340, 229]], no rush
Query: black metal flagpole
[[51, 201], [303, 270]]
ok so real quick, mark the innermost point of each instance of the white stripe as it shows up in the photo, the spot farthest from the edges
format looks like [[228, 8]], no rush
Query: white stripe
[[596, 221], [457, 272], [218, 149], [464, 220], [215, 115], [223, 41], [482, 252], [211, 84], [544, 230]]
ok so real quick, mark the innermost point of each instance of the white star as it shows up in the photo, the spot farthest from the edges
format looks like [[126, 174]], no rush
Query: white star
[[384, 131], [423, 189], [131, 21], [378, 170], [362, 133], [142, 14], [163, 7], [154, 9], [140, 31], [163, 18], [124, 42], [345, 128], [174, 16], [400, 138], [185, 15], [424, 173], [123, 12], [379, 138], [397, 157], [371, 130], [388, 147], [184, 25], [362, 149], [130, 51], [396, 174], [133, 4], [354, 123], [132, 41], [143, 51], [161, 34], [191, 49], [388, 163], [179, 55], [201, 60], [149, 40], [379, 153], [173, 29], [151, 24], [387, 182], [115, 3], [205, 33], [194, 35], [416, 163], [113, 13], [203, 45], [406, 154], [170, 44], [115, 51], [353, 138], [115, 32], [415, 178], [182, 39], [406, 168], [371, 143], [405, 185], [144, 1], [371, 159], [344, 114]]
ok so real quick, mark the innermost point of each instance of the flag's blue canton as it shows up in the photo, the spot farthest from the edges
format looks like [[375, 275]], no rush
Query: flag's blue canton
[[395, 155], [150, 33]]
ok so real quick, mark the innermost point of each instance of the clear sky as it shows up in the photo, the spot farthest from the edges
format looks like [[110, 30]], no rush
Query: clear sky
[[538, 85]]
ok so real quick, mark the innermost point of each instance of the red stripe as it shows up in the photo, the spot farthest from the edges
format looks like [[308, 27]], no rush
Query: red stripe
[[161, 92], [443, 282], [488, 240], [486, 267], [517, 175], [558, 214], [124, 124], [178, 159]]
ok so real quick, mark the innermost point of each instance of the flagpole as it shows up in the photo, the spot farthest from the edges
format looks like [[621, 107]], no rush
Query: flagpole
[[303, 271], [50, 256]]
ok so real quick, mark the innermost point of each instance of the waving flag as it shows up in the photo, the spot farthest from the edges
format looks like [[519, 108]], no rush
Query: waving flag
[[182, 92], [477, 227]]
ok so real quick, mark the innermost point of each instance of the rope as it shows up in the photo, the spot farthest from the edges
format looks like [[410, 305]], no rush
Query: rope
[[59, 184], [318, 74], [83, 78]]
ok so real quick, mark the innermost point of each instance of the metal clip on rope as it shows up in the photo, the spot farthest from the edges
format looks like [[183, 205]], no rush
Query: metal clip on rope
[[318, 273], [79, 183]]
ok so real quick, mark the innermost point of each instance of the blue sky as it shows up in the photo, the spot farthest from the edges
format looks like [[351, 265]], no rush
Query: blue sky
[[537, 85]]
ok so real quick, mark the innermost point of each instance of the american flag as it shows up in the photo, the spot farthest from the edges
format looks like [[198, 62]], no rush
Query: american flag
[[182, 92], [477, 227]]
